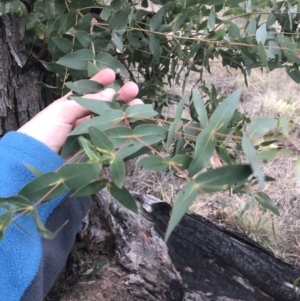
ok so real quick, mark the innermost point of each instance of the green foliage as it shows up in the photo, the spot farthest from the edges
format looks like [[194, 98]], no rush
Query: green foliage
[[155, 50]]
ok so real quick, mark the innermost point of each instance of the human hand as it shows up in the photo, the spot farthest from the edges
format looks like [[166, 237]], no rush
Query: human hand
[[53, 125]]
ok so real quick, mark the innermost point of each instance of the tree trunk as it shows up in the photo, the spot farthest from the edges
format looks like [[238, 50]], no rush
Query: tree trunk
[[20, 97], [201, 261]]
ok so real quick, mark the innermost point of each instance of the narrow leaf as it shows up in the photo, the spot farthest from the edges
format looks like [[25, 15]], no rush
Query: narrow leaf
[[182, 161], [42, 185], [221, 178], [5, 219], [100, 140], [205, 146], [183, 201], [177, 119], [33, 169], [200, 109], [77, 60], [259, 127], [43, 231], [76, 175], [102, 123], [265, 202], [150, 133], [251, 154], [90, 188], [123, 196], [139, 112], [117, 171], [154, 162], [118, 135], [99, 107], [84, 86], [222, 115], [261, 34]]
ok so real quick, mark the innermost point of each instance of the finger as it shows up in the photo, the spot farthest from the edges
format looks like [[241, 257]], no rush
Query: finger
[[128, 92], [136, 101], [104, 77], [106, 95]]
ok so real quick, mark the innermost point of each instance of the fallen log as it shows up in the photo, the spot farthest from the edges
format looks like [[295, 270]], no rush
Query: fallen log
[[201, 261]]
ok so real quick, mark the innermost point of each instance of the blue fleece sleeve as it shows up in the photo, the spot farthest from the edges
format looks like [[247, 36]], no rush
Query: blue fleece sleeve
[[20, 253]]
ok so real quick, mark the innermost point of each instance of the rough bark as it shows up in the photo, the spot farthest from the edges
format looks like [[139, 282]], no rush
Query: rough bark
[[20, 97], [201, 261]]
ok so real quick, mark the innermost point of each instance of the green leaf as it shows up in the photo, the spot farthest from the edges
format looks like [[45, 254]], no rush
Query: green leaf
[[16, 202], [118, 22], [111, 118], [117, 171], [70, 147], [77, 60], [211, 19], [101, 141], [89, 150], [49, 184], [119, 135], [251, 27], [63, 44], [222, 115], [173, 125], [123, 196], [33, 169], [43, 231], [271, 19], [90, 188], [262, 54], [118, 41], [183, 201], [105, 60], [200, 109], [265, 202], [83, 38], [182, 161], [259, 127], [150, 133], [205, 146], [154, 162], [105, 14], [76, 175], [99, 107], [138, 112], [251, 154], [222, 178], [5, 219], [261, 34], [155, 47], [84, 86]]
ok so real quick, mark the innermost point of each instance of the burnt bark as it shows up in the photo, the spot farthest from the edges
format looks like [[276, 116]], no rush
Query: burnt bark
[[201, 260], [20, 97]]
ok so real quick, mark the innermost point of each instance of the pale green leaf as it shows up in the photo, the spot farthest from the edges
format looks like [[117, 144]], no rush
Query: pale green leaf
[[183, 201], [252, 156], [205, 146], [265, 202], [223, 114], [200, 109], [84, 86]]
